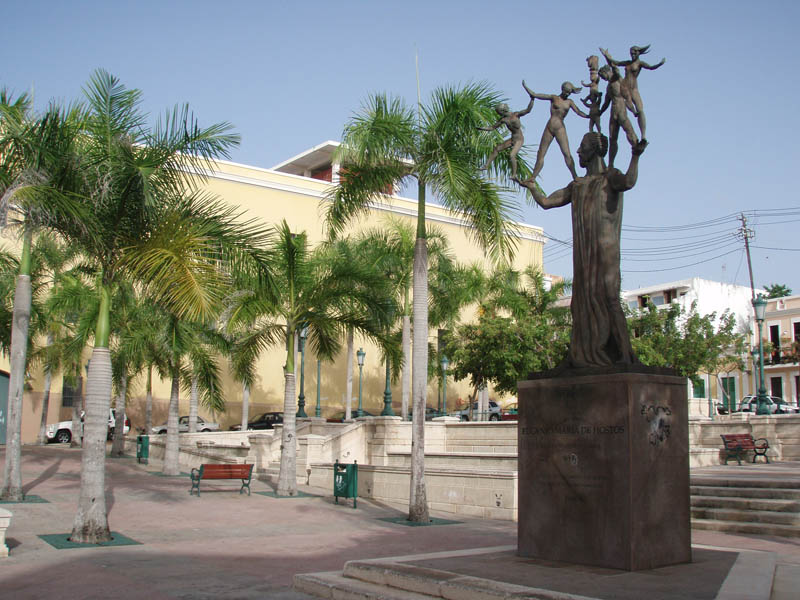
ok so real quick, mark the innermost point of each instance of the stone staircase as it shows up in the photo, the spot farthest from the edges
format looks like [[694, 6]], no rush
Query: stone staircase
[[754, 506]]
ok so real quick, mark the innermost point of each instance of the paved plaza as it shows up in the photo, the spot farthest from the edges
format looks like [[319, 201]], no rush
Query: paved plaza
[[227, 545]]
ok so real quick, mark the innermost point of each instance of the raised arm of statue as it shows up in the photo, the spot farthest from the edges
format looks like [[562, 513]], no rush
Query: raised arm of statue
[[527, 109], [558, 198], [577, 110], [652, 67], [535, 95], [623, 182], [614, 62]]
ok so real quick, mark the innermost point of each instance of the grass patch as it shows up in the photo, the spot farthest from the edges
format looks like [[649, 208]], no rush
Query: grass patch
[[407, 523], [60, 541], [28, 499]]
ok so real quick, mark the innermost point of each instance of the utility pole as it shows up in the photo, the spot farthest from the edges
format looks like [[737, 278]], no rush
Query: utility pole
[[759, 306], [747, 234]]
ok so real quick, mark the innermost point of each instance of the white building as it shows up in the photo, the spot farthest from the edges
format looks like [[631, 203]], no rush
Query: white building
[[708, 296]]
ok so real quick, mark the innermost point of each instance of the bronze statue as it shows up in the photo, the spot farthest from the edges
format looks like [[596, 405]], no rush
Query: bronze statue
[[630, 84], [559, 107], [511, 119], [619, 115], [595, 97], [599, 332]]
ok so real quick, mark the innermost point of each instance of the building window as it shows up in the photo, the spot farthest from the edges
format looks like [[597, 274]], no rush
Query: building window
[[658, 299], [699, 389], [776, 383], [775, 338]]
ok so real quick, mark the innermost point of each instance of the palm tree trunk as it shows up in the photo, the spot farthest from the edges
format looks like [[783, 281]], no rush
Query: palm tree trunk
[[91, 521], [148, 403], [118, 445], [348, 406], [193, 406], [77, 408], [12, 474], [406, 372], [172, 449], [42, 437], [417, 501], [245, 405], [287, 477]]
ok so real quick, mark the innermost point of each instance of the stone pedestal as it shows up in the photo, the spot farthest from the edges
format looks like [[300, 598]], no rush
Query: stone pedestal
[[604, 470]]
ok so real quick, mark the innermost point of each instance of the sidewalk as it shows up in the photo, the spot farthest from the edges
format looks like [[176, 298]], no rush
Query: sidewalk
[[223, 545]]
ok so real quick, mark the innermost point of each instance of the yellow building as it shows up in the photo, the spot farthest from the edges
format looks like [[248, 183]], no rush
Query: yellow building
[[294, 190], [781, 366]]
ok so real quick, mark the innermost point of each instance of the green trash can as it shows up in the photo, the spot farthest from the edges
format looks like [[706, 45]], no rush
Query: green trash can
[[142, 448], [345, 481]]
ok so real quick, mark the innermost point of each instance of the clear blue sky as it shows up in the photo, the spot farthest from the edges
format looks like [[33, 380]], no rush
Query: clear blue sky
[[289, 75]]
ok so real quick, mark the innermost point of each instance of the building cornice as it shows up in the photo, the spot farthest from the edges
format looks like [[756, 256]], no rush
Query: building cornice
[[532, 234]]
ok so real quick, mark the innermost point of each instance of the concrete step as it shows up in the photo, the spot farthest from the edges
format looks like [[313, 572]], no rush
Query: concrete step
[[747, 516], [336, 586], [385, 580], [762, 529], [789, 506], [745, 483], [746, 492]]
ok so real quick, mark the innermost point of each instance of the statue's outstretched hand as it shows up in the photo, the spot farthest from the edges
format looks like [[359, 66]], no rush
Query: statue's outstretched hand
[[638, 149]]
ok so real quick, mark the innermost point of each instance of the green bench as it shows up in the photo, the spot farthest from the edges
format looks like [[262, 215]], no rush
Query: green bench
[[738, 444], [209, 471]]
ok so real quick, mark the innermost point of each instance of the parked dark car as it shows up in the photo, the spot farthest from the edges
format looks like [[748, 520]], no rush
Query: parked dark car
[[263, 421], [339, 416], [430, 413]]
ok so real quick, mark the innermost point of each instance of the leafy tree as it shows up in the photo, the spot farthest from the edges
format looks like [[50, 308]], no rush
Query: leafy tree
[[777, 290], [441, 149], [519, 331], [684, 340]]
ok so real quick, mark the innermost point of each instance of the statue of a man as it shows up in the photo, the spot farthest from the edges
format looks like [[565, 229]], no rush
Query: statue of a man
[[599, 331]]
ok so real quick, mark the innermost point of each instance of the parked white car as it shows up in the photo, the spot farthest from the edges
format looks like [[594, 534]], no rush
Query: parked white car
[[62, 432], [183, 426], [774, 404], [466, 414]]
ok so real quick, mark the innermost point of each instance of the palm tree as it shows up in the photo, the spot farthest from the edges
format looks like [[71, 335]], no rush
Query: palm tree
[[391, 249], [35, 153], [49, 257], [148, 224], [442, 149], [309, 291]]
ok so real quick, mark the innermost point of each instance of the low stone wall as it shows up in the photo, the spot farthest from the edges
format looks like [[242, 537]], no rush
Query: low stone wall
[[473, 493], [471, 467]]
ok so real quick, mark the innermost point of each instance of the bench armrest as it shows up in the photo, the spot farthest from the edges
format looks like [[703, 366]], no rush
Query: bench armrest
[[764, 440]]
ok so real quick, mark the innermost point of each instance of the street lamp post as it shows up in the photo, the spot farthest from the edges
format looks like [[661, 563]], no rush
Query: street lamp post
[[360, 356], [318, 412], [301, 399], [760, 308], [387, 394], [445, 364]]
